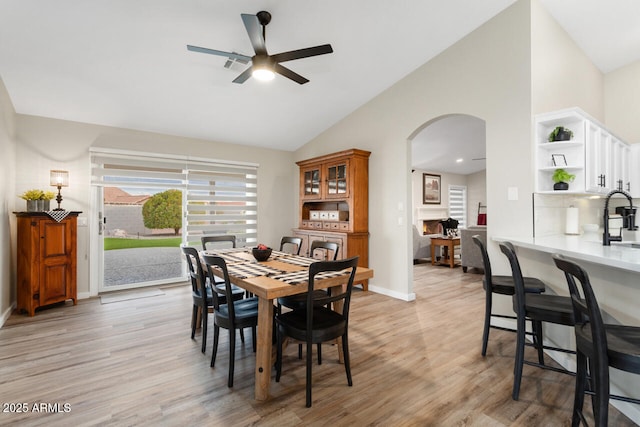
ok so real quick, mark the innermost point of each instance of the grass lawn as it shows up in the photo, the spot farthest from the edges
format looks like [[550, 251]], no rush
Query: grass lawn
[[119, 243]]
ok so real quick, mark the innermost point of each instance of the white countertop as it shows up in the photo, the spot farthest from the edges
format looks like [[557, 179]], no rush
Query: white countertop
[[586, 248]]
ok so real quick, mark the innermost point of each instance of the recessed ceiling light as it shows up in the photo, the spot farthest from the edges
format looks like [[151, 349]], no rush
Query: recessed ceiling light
[[459, 160]]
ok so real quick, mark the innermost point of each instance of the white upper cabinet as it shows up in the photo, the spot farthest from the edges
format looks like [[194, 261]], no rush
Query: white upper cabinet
[[599, 160], [620, 165], [634, 170], [598, 167]]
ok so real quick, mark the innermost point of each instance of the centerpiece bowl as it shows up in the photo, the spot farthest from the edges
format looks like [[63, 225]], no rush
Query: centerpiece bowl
[[261, 254]]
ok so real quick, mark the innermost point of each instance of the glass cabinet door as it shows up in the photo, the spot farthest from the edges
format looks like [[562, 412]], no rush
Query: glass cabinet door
[[311, 183], [337, 180]]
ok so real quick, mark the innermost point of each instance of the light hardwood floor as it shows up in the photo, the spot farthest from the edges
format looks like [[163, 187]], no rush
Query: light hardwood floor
[[413, 363]]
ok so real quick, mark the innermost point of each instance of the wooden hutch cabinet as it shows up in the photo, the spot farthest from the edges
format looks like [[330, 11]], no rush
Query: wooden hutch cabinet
[[334, 203], [46, 260]]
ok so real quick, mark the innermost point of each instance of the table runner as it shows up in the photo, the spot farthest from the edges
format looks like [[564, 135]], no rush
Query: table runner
[[298, 260], [244, 271], [228, 254], [295, 277]]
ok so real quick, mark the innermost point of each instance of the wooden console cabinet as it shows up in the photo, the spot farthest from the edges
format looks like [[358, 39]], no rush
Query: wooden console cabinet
[[46, 260], [334, 203]]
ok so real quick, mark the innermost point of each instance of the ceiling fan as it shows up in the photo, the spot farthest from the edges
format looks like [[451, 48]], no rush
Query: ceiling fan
[[263, 66]]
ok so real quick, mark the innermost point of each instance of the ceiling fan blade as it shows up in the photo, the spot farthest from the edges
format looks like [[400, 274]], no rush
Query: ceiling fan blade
[[254, 30], [232, 55], [289, 74], [302, 53], [243, 76]]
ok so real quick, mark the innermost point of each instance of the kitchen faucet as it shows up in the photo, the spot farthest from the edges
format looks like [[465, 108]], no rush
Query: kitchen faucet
[[606, 238]]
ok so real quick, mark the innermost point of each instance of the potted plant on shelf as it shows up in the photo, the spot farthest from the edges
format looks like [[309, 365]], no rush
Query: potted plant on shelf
[[560, 133], [562, 178], [32, 197]]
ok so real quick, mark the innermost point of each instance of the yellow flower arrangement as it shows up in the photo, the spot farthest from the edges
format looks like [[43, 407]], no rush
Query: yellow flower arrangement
[[32, 195], [48, 195]]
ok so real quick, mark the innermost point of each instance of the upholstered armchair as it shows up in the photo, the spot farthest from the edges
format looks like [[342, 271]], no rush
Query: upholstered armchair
[[421, 245], [470, 255]]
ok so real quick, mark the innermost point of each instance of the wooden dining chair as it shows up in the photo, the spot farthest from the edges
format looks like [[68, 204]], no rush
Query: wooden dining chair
[[289, 240], [327, 248], [599, 346], [216, 239], [319, 323], [299, 301], [230, 314], [201, 292]]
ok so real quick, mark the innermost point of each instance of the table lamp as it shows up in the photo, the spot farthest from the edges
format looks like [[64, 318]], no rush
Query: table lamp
[[59, 178]]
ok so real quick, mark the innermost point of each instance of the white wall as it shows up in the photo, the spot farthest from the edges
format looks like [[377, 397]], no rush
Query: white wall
[[562, 76], [476, 193], [8, 201], [622, 102], [486, 75], [45, 144]]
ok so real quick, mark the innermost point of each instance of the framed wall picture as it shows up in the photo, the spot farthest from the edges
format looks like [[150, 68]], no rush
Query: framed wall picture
[[558, 160], [430, 189]]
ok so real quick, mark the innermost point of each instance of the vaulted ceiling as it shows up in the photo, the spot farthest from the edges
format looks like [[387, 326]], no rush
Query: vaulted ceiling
[[124, 63]]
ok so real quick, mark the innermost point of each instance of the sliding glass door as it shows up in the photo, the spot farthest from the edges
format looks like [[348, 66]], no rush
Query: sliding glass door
[[149, 205]]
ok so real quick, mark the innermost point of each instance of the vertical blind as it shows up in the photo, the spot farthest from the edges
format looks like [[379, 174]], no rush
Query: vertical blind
[[217, 197], [458, 204]]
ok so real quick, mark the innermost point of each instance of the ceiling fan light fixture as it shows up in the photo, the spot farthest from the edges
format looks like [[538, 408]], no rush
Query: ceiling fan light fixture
[[263, 74], [264, 66], [262, 69]]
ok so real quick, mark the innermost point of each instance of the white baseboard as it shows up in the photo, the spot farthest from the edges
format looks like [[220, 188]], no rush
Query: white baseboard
[[392, 294], [7, 314]]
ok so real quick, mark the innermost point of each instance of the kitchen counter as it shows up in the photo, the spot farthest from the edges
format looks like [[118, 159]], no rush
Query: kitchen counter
[[585, 248]]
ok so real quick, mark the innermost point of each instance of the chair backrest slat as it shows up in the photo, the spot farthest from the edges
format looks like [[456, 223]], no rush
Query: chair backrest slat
[[321, 244], [345, 295], [196, 272], [518, 281], [297, 241], [485, 260], [221, 238], [212, 262], [585, 305]]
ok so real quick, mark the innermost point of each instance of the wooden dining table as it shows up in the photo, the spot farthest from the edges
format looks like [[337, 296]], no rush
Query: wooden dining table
[[267, 280]]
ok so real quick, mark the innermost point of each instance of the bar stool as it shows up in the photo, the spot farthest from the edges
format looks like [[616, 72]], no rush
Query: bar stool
[[601, 345], [537, 308], [502, 285]]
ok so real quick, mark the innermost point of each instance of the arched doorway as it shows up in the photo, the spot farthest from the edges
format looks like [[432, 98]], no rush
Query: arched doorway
[[449, 150]]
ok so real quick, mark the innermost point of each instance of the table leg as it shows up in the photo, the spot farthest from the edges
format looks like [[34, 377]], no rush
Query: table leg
[[263, 348], [451, 253], [433, 253], [337, 306]]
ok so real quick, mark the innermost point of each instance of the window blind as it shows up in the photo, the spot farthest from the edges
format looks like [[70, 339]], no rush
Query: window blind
[[458, 204], [218, 197], [222, 200]]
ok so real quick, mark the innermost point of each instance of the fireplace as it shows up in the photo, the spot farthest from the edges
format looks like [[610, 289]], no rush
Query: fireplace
[[427, 218], [431, 226]]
